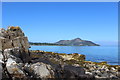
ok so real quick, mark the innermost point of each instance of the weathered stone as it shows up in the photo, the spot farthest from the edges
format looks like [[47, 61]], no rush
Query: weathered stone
[[1, 62], [13, 37], [88, 73], [1, 57], [1, 70], [74, 56], [3, 32], [40, 69], [113, 76], [77, 70], [13, 69]]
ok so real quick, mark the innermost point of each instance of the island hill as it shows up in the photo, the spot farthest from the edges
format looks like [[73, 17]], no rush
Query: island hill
[[73, 42]]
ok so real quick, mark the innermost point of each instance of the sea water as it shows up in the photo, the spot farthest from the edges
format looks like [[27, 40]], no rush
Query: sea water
[[93, 53]]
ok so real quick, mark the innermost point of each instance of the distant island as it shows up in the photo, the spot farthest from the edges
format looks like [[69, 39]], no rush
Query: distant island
[[73, 42]]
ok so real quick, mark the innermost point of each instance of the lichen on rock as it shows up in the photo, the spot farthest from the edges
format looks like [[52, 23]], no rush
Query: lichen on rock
[[14, 49], [13, 37]]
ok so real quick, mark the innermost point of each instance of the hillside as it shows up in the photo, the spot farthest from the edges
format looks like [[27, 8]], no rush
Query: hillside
[[77, 42]]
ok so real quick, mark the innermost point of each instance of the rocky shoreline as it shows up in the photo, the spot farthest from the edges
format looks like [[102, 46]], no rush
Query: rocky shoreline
[[18, 62], [100, 70]]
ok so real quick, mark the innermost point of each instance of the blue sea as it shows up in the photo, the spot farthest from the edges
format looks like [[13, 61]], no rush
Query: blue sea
[[93, 53]]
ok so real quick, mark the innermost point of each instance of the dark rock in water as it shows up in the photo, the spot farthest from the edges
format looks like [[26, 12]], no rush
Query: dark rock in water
[[76, 42]]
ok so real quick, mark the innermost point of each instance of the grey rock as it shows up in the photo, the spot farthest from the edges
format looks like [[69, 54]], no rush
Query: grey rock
[[1, 71], [13, 37], [113, 77], [89, 73], [13, 68], [40, 70]]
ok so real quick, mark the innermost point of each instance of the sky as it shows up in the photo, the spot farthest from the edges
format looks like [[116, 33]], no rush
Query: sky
[[60, 0], [54, 21]]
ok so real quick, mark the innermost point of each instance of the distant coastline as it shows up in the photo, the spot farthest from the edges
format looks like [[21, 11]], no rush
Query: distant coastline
[[45, 44], [52, 44], [73, 42]]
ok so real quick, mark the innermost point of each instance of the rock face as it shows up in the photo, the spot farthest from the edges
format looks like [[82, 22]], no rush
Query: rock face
[[14, 49], [17, 61], [13, 37]]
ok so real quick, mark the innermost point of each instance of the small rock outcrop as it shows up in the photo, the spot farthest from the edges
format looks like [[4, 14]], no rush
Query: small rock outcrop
[[14, 49], [13, 37]]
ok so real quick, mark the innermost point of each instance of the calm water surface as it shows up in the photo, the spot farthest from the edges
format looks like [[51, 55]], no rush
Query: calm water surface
[[93, 53]]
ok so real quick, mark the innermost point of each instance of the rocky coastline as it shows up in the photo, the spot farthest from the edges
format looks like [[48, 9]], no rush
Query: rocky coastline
[[18, 62]]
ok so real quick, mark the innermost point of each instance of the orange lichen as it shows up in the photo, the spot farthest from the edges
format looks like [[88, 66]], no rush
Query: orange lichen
[[12, 27], [6, 31], [17, 27]]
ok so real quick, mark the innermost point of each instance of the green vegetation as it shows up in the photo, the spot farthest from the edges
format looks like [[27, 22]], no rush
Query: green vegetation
[[51, 44]]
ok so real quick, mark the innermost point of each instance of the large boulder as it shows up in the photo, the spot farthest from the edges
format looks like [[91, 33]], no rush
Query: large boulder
[[14, 52], [41, 70], [14, 68], [45, 71], [13, 37]]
